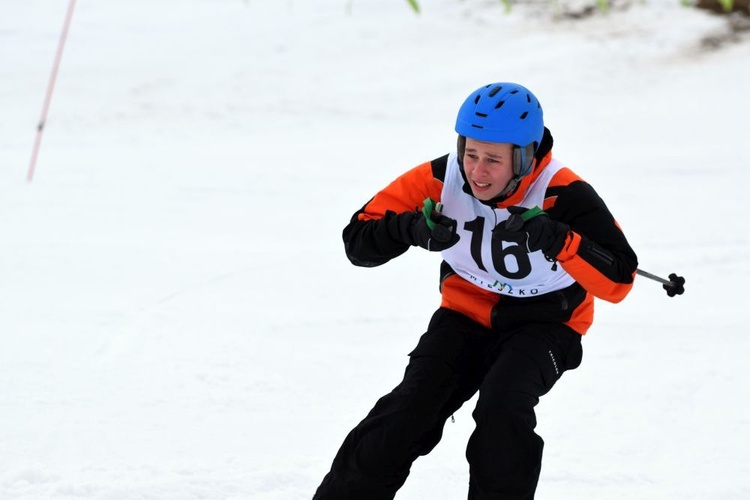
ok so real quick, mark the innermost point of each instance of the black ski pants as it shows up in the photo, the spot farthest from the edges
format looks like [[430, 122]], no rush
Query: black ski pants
[[453, 360]]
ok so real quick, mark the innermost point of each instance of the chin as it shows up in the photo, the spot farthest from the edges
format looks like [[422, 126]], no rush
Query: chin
[[484, 196]]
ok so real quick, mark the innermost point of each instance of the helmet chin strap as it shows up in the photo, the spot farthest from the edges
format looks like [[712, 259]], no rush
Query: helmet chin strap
[[509, 188]]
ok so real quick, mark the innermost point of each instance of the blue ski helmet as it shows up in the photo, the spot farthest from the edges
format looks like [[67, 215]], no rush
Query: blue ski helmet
[[502, 112]]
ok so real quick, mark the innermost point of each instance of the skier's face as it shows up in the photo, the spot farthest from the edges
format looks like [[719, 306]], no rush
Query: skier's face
[[488, 167]]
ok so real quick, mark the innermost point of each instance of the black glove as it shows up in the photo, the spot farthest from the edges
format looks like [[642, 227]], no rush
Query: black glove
[[537, 233], [416, 232]]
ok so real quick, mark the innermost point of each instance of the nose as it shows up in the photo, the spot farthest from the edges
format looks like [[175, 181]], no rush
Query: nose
[[482, 166]]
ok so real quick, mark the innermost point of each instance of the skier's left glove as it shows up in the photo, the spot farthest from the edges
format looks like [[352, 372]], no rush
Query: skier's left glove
[[533, 231]]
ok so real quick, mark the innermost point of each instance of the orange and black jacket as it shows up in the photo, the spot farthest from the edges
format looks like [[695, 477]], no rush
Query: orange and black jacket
[[596, 254]]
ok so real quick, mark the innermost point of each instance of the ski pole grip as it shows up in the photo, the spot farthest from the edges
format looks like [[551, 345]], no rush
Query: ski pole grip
[[516, 221], [532, 212], [429, 205]]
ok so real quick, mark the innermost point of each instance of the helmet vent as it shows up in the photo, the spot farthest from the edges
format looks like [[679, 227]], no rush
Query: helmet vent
[[476, 126], [514, 91], [495, 91], [481, 115], [523, 116], [476, 99], [528, 98], [499, 104]]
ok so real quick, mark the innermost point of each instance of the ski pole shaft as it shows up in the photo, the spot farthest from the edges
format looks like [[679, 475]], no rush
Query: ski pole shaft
[[654, 277]]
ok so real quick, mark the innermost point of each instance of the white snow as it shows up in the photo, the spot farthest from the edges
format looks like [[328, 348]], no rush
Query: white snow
[[177, 316]]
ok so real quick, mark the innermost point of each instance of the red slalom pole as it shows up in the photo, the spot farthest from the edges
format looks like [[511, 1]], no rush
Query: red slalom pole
[[50, 87]]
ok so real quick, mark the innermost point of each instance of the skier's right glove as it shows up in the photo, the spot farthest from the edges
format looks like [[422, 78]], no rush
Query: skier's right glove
[[416, 231]]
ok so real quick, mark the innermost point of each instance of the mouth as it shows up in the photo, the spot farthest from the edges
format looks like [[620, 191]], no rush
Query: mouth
[[481, 186]]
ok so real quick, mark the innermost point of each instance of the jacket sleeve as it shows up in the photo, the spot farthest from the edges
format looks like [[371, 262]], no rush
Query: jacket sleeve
[[596, 253], [374, 235]]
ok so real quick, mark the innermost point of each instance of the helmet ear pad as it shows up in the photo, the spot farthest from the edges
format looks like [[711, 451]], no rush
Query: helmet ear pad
[[523, 159], [461, 149]]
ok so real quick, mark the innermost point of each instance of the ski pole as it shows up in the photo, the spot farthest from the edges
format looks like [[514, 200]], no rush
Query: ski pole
[[674, 286]]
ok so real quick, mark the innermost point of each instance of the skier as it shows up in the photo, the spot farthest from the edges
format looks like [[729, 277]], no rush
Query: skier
[[526, 246]]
